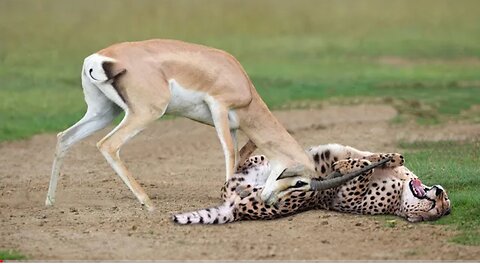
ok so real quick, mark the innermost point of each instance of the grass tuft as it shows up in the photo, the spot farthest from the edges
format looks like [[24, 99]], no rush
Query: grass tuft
[[11, 255], [454, 165]]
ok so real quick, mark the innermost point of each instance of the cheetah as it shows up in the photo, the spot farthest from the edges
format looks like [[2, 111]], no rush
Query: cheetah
[[389, 189]]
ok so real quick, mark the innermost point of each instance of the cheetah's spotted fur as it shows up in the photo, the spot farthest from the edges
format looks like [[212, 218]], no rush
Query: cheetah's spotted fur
[[391, 189]]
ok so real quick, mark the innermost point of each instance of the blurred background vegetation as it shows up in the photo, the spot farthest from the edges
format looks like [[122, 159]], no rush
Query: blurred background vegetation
[[421, 56]]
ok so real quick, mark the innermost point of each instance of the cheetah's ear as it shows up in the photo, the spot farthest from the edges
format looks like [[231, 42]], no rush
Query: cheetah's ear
[[297, 170]]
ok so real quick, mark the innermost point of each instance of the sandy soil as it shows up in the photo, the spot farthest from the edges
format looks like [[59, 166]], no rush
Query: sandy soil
[[180, 164]]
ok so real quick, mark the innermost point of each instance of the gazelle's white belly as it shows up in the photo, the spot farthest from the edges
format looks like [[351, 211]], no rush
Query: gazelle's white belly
[[191, 104]]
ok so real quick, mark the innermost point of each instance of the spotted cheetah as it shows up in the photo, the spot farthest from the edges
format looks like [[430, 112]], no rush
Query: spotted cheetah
[[390, 189]]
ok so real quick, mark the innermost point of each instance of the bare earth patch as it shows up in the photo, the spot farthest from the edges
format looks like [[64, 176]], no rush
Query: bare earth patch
[[180, 164]]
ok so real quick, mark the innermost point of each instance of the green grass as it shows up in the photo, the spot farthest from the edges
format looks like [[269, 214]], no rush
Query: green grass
[[11, 255], [454, 165], [420, 52]]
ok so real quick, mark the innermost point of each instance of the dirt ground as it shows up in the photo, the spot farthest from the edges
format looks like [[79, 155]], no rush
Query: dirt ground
[[180, 164]]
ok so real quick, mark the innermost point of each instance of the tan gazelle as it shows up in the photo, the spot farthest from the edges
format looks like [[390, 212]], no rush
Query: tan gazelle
[[151, 78]]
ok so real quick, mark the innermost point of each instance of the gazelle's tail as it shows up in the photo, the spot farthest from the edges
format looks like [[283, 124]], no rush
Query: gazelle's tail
[[215, 215], [99, 74], [100, 69]]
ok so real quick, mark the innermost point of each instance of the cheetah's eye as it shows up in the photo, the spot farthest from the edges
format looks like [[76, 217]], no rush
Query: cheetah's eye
[[299, 184]]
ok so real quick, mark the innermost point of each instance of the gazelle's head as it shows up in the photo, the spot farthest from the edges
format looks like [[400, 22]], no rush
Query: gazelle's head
[[296, 178]]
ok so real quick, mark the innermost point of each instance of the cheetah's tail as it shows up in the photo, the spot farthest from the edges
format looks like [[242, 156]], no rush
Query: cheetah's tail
[[215, 215]]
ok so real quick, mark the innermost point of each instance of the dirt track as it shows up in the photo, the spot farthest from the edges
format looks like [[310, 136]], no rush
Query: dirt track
[[180, 164]]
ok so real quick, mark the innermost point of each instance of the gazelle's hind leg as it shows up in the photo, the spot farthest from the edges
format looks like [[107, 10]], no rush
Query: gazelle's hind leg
[[145, 106], [110, 147], [101, 112]]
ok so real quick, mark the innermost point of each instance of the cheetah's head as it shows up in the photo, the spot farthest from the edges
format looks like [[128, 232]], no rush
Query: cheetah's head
[[424, 203]]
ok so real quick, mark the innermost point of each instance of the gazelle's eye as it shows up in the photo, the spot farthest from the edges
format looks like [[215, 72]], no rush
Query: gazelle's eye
[[299, 184]]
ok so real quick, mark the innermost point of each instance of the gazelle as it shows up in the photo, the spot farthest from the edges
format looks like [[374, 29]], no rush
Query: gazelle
[[151, 78]]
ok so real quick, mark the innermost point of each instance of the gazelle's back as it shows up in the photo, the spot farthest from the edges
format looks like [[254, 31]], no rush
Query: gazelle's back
[[193, 66]]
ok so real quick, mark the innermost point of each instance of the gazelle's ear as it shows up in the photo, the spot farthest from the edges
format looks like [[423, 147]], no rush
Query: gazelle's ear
[[297, 170]]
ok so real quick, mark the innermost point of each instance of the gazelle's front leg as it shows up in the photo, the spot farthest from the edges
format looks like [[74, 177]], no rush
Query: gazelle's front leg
[[222, 124], [233, 133]]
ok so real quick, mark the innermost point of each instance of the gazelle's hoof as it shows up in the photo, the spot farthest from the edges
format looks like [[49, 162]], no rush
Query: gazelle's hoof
[[148, 205], [49, 201]]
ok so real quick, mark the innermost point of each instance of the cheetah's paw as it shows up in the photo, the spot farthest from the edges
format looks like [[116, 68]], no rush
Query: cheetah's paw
[[350, 165]]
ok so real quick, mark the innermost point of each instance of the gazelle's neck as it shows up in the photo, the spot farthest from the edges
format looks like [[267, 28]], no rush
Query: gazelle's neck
[[270, 136]]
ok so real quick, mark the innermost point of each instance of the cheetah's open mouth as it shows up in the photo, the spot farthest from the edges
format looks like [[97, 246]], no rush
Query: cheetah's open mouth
[[417, 188]]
